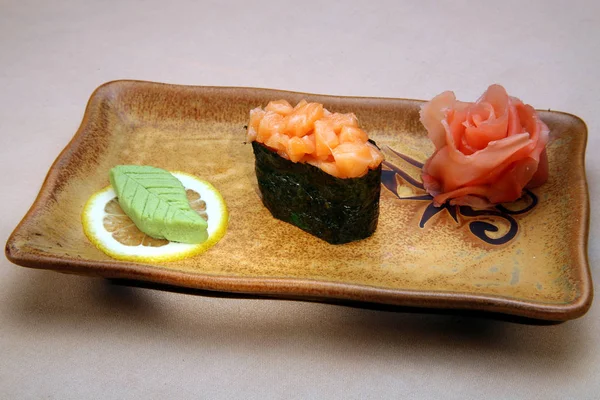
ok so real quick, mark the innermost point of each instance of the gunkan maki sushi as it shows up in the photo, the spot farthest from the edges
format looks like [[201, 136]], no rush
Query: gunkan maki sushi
[[316, 170]]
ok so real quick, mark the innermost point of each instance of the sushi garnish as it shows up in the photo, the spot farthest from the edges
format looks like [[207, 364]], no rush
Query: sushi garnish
[[487, 152], [309, 133], [118, 224]]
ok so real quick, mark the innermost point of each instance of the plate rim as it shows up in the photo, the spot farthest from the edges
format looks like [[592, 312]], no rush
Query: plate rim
[[303, 288]]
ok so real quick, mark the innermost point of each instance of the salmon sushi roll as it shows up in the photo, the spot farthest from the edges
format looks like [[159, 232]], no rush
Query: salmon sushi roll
[[316, 169]]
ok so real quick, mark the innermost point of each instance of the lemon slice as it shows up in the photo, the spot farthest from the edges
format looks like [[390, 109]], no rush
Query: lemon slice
[[112, 231]]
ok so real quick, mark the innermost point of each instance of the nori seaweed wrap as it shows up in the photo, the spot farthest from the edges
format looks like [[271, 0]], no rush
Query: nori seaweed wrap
[[337, 210]]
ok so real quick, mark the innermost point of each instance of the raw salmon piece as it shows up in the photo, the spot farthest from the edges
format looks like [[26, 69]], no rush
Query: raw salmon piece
[[281, 107], [310, 143], [296, 148], [278, 141], [271, 123], [302, 120], [255, 116], [376, 156], [338, 121], [325, 139], [329, 166], [251, 135], [352, 159], [300, 104], [352, 134]]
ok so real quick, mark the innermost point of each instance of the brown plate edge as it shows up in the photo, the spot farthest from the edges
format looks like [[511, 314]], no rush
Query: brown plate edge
[[310, 290], [296, 288]]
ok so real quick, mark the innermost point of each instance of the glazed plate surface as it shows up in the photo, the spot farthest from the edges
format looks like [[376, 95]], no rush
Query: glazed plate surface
[[526, 259]]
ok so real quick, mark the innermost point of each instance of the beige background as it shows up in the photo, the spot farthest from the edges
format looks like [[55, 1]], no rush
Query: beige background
[[68, 337]]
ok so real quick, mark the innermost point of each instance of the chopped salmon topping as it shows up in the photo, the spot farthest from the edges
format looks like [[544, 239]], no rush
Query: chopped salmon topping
[[309, 133]]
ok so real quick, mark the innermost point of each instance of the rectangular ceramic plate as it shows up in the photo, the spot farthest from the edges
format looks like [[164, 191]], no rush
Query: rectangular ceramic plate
[[525, 259]]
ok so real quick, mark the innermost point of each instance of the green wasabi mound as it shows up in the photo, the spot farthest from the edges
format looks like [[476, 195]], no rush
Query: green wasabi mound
[[157, 204]]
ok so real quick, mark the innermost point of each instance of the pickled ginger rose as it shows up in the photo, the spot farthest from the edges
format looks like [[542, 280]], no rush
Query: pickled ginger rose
[[485, 152]]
